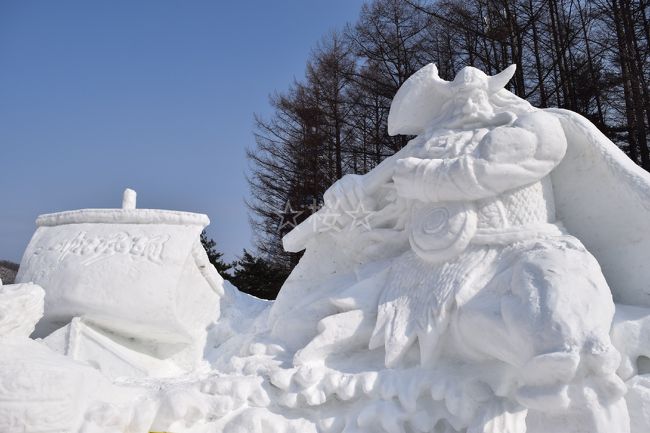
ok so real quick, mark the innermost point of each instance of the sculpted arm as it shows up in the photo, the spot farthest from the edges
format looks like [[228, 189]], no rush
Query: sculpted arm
[[507, 157]]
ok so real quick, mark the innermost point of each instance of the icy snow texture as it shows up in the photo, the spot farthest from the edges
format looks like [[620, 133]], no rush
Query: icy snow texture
[[467, 300], [21, 306]]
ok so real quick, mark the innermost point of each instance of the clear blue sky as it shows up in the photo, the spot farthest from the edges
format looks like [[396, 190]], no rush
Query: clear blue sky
[[156, 95]]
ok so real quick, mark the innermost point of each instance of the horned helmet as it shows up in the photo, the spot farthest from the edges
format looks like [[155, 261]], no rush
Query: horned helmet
[[425, 99]]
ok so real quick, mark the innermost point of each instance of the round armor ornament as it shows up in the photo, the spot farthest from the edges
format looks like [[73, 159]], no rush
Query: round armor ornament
[[441, 231]]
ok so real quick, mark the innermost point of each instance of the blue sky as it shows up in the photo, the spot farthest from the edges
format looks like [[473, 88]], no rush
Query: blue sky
[[156, 95]]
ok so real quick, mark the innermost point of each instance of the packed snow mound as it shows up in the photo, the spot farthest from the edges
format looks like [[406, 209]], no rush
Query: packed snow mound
[[21, 306], [475, 294]]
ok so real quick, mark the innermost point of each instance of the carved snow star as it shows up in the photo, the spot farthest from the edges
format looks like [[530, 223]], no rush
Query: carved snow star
[[360, 217]]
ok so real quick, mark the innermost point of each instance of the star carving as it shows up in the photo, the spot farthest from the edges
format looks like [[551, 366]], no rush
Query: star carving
[[288, 216], [360, 217]]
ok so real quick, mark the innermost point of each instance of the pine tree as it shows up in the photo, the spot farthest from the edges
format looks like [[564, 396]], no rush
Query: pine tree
[[215, 256], [258, 276]]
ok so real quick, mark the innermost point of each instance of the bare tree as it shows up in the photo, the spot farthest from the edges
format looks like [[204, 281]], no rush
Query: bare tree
[[590, 56]]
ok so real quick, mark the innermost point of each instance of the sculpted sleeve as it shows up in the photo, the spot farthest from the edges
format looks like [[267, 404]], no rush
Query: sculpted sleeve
[[507, 157]]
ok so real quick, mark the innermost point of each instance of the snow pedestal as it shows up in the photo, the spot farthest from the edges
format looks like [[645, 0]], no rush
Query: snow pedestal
[[44, 391], [40, 390], [139, 277]]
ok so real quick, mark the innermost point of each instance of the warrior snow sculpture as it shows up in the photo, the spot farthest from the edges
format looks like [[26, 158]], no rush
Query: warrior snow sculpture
[[467, 259]]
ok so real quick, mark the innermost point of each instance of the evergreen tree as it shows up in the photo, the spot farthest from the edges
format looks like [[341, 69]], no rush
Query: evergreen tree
[[258, 276], [215, 257]]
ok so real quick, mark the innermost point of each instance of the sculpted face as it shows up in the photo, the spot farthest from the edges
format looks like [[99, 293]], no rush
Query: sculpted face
[[472, 105], [470, 108], [470, 100]]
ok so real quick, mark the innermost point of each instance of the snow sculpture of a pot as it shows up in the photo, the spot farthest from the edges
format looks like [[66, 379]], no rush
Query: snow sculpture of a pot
[[137, 274]]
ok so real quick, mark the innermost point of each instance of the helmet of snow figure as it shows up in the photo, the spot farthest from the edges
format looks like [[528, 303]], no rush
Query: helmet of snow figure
[[420, 100], [470, 78]]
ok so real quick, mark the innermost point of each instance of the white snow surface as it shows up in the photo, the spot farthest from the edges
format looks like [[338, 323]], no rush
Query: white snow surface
[[475, 293]]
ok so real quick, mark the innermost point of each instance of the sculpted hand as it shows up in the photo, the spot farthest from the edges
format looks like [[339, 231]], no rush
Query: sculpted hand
[[346, 194], [406, 179]]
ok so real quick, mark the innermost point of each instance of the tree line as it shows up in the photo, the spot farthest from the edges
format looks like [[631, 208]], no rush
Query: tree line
[[587, 56], [255, 275]]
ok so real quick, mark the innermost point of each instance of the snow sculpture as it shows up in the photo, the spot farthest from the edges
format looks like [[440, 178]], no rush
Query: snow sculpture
[[137, 281], [468, 306], [450, 290]]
